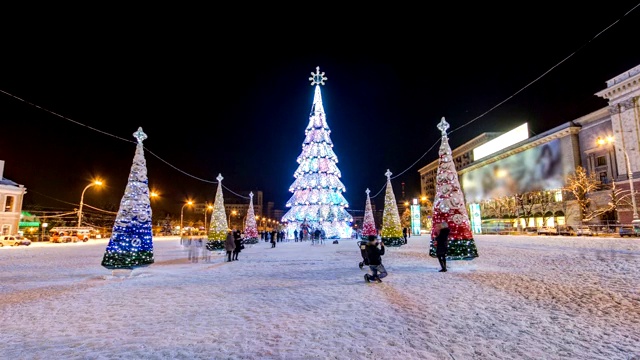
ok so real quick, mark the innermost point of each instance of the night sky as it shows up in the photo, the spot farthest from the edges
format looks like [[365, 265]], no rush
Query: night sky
[[235, 100]]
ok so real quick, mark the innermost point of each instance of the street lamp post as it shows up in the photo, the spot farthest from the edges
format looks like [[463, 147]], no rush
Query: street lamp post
[[206, 210], [182, 216], [611, 140], [96, 182], [232, 212]]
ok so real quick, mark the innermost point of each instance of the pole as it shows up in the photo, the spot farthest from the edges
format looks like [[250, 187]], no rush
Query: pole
[[633, 193], [182, 217], [82, 201]]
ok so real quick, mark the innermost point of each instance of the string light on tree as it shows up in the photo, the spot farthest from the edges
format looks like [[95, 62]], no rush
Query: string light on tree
[[368, 224], [131, 242], [251, 229], [317, 199], [449, 205], [218, 226], [391, 232]]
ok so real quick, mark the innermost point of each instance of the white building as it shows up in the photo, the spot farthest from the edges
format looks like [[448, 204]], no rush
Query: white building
[[11, 195]]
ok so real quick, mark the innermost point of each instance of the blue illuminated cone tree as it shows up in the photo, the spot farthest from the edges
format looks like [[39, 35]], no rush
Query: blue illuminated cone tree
[[131, 242], [317, 198], [449, 206], [218, 226], [369, 223], [391, 232], [251, 229]]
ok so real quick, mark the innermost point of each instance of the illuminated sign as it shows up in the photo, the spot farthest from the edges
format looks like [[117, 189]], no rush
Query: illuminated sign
[[534, 169], [476, 219], [503, 141], [415, 219]]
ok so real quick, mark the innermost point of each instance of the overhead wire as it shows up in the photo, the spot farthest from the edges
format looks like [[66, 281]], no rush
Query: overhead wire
[[514, 94], [394, 177]]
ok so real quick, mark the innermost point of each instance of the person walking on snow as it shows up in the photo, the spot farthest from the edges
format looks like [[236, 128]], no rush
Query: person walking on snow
[[374, 254], [229, 245], [442, 245]]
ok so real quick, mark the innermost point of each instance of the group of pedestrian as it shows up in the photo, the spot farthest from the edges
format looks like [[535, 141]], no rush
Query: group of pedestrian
[[233, 245], [374, 253]]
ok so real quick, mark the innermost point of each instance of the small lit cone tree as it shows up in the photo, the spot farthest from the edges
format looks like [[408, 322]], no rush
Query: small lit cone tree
[[218, 227], [369, 224], [251, 229], [391, 232], [131, 242], [449, 206]]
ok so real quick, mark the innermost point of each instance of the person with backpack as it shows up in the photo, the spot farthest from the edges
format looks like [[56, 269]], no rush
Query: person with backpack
[[374, 254]]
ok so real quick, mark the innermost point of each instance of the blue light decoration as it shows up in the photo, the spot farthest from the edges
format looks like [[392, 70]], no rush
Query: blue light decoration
[[131, 242], [317, 199]]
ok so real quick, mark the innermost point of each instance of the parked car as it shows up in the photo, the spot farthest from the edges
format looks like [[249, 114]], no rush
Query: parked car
[[584, 230], [14, 240], [547, 230], [566, 230], [628, 230]]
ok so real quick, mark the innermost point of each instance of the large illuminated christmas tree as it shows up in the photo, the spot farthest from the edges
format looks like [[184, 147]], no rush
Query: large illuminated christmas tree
[[449, 205], [368, 224], [391, 232], [251, 229], [219, 226], [131, 242], [317, 190]]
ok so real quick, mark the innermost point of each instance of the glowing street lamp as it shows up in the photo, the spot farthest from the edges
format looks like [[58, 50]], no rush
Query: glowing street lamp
[[206, 210], [233, 212], [610, 140], [96, 182], [189, 203]]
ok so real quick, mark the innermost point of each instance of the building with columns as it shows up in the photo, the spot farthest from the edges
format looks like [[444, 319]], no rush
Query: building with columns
[[606, 143]]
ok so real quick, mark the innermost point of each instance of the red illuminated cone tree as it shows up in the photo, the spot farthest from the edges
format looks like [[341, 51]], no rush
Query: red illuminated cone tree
[[449, 205]]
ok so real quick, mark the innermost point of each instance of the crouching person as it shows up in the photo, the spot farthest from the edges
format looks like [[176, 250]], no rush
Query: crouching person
[[374, 254]]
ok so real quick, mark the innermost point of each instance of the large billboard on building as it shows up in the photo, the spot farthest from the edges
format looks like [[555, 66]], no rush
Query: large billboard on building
[[505, 140], [539, 168]]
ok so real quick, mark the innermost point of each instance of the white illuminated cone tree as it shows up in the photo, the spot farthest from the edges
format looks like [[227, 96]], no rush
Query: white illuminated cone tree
[[131, 242], [391, 232], [317, 198]]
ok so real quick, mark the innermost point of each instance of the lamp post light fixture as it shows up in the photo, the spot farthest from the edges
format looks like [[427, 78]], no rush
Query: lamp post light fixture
[[232, 212], [96, 182], [189, 203], [610, 140], [206, 210]]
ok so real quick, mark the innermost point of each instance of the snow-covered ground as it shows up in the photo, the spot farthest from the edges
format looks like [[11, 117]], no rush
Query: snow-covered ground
[[522, 298]]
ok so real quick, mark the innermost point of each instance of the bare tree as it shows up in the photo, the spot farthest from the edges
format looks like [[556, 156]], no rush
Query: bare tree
[[582, 185], [507, 206], [546, 204]]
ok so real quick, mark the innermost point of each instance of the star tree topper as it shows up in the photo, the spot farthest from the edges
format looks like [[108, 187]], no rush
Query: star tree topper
[[140, 135], [388, 174], [443, 126], [219, 178], [318, 77]]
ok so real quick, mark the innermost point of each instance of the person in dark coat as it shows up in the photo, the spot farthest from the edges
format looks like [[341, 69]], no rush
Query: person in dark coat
[[237, 241], [229, 245], [374, 254], [442, 245], [404, 234]]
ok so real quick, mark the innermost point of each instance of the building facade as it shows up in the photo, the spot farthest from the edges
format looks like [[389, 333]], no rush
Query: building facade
[[524, 184], [11, 197]]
